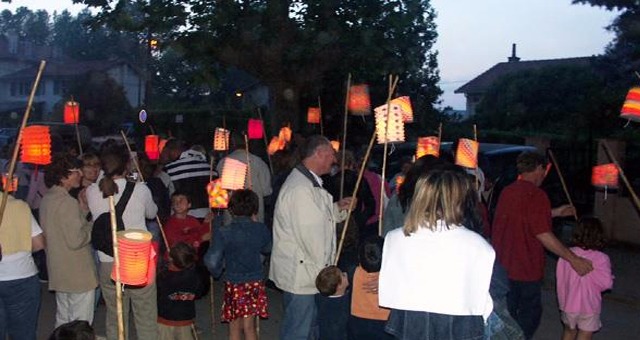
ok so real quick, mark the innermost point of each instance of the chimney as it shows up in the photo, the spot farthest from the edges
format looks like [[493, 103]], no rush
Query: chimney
[[513, 58]]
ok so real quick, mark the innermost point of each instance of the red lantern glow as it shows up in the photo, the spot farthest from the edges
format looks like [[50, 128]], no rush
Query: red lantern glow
[[234, 173], [152, 147], [71, 112], [405, 106], [254, 129], [135, 253], [221, 139], [359, 102], [9, 186], [218, 197], [605, 176], [631, 107], [428, 146], [313, 115], [36, 145], [467, 153]]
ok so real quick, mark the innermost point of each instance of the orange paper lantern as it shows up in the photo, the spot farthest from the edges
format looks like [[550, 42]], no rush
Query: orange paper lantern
[[275, 145], [467, 153], [152, 147], [399, 180], [395, 131], [9, 186], [335, 145], [234, 173], [428, 146], [285, 134], [36, 145], [313, 115], [71, 112], [254, 129], [359, 101], [605, 176], [631, 107], [136, 253], [218, 197], [405, 106], [221, 139]]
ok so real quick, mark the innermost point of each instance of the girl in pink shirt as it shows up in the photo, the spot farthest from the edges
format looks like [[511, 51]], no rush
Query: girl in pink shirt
[[580, 297]]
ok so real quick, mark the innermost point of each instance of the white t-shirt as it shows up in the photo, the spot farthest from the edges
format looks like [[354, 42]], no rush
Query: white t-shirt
[[20, 265]]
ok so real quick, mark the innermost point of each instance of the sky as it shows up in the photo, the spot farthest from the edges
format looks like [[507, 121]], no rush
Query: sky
[[474, 35]]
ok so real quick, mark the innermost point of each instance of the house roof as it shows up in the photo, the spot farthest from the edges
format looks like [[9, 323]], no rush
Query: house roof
[[68, 69], [481, 83]]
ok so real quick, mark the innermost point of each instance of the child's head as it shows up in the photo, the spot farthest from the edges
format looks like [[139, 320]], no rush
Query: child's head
[[589, 234], [182, 255], [243, 203], [180, 202], [370, 254], [331, 281], [74, 330]]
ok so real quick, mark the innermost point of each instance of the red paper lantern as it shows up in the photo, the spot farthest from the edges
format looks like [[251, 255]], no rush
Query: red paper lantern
[[36, 145], [9, 186], [359, 102], [71, 112], [275, 145], [136, 254], [221, 139], [467, 153], [285, 134], [605, 176], [395, 132], [405, 106], [313, 115], [218, 197], [234, 173], [152, 147], [254, 129], [428, 146], [631, 107]]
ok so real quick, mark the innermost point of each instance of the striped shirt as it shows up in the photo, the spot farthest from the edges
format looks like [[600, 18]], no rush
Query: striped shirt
[[190, 175]]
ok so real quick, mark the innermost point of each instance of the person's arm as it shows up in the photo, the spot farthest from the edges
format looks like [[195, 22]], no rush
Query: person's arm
[[38, 241], [150, 207], [602, 273], [268, 242], [581, 265], [215, 254]]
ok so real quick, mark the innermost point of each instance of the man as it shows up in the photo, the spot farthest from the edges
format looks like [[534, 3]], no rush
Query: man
[[304, 237], [521, 231]]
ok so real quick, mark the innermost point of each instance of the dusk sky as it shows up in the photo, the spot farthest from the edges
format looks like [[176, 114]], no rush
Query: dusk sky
[[475, 35]]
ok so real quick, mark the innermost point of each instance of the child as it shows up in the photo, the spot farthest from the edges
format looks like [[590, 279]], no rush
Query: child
[[74, 330], [181, 227], [580, 297], [177, 289], [367, 318], [237, 247], [332, 282]]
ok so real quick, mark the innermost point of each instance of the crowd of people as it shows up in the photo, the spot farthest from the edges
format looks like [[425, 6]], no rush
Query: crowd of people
[[440, 267]]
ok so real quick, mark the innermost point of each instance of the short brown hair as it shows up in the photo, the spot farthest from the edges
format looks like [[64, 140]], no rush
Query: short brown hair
[[328, 280], [182, 255], [243, 202], [59, 168], [528, 161], [589, 234]]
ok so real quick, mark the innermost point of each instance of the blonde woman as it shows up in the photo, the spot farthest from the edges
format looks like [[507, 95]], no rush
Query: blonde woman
[[435, 272]]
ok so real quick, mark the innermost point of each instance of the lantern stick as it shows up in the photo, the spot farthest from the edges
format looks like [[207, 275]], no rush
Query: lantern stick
[[355, 192], [16, 148], [475, 138], [266, 142], [440, 134], [76, 119], [321, 125], [344, 137], [116, 263], [392, 87], [211, 287], [135, 163], [564, 185], [246, 149], [636, 201]]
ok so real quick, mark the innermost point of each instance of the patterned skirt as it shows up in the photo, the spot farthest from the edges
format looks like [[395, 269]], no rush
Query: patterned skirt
[[242, 300]]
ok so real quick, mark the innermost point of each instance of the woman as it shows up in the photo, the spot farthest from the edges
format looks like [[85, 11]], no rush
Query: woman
[[435, 272], [140, 206]]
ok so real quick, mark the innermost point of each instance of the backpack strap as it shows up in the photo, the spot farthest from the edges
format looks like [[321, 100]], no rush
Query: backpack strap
[[124, 199]]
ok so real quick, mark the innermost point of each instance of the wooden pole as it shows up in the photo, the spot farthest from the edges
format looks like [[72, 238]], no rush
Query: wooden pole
[[211, 286], [246, 149], [392, 87], [116, 264], [266, 142], [634, 197], [564, 185], [344, 136], [321, 125]]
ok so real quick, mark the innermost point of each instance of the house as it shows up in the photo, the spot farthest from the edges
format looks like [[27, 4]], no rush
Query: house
[[19, 63], [475, 89]]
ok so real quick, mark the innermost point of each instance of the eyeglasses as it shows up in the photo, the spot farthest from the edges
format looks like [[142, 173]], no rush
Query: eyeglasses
[[75, 170]]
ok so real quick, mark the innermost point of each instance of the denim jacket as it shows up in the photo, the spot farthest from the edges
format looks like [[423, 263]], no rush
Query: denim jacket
[[237, 247]]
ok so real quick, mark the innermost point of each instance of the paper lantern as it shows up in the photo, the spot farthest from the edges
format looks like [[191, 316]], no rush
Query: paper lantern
[[221, 139], [9, 186], [467, 153], [395, 132], [254, 129], [36, 145], [335, 145], [399, 180], [275, 145], [605, 176], [234, 173], [136, 253], [71, 112], [428, 146], [405, 106], [152, 147], [313, 115], [285, 134], [218, 197], [359, 102], [631, 107]]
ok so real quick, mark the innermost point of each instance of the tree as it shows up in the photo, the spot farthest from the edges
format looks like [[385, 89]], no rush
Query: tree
[[30, 26]]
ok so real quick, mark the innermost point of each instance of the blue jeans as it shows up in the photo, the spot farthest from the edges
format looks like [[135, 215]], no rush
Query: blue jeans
[[412, 325], [366, 329], [525, 305], [19, 307], [300, 317]]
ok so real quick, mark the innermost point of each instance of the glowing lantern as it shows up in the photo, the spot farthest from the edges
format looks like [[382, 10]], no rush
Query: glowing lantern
[[428, 146], [221, 139], [405, 106], [467, 153], [359, 102], [71, 112], [395, 131], [399, 180], [218, 197], [285, 134], [254, 129], [136, 254], [152, 147], [9, 186], [234, 173], [36, 145], [631, 107], [335, 145], [313, 115], [605, 176], [275, 145]]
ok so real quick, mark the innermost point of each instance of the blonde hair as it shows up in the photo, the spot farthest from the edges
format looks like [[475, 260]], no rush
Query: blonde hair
[[439, 195]]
